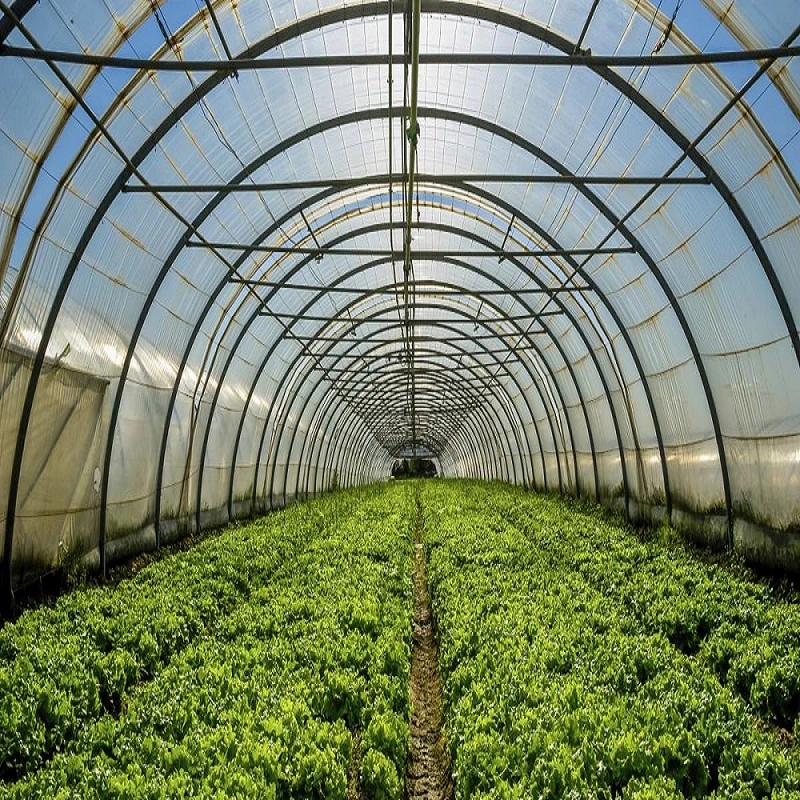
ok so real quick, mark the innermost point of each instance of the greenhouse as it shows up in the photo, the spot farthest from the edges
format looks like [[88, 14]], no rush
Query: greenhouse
[[399, 399]]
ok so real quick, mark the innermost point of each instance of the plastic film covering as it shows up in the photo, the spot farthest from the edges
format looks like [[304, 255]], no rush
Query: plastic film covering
[[205, 311]]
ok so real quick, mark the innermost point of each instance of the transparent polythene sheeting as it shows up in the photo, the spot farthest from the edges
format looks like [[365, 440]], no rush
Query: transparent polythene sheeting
[[627, 127], [755, 25], [40, 131], [104, 333], [573, 215], [491, 266], [223, 153]]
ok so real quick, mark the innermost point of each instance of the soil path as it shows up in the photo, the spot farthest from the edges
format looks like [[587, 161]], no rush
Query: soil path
[[354, 789], [428, 776]]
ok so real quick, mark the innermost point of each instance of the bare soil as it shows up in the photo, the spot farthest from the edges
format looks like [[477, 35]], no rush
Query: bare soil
[[428, 776], [354, 789]]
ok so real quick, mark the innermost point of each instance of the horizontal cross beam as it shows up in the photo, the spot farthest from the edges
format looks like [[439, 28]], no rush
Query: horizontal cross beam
[[478, 337], [418, 254], [392, 310], [581, 58], [429, 288], [395, 355], [457, 179]]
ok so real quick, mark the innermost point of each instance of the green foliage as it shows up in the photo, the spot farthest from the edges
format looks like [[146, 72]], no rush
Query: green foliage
[[379, 777], [388, 733], [240, 668], [588, 663], [577, 661]]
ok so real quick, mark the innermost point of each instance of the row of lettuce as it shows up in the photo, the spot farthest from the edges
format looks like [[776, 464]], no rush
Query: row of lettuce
[[590, 663], [577, 660], [245, 667]]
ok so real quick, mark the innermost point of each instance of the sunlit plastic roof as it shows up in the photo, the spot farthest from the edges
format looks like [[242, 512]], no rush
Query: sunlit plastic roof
[[206, 306]]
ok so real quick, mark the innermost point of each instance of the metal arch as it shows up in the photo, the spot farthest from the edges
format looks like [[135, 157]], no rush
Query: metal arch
[[356, 375], [455, 432], [530, 28], [467, 454], [348, 465], [342, 432], [561, 170], [361, 268], [351, 423], [622, 329], [590, 349], [344, 277], [317, 443], [442, 6], [175, 388], [320, 413], [356, 466], [443, 447], [480, 435], [321, 294], [313, 435], [324, 413], [336, 435], [377, 313], [435, 415], [680, 315], [135, 337], [609, 307], [448, 420], [480, 449], [382, 311], [258, 461], [541, 356], [473, 426], [17, 471], [461, 351]]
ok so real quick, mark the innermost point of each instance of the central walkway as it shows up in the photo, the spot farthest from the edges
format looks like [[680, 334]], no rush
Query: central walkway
[[428, 774]]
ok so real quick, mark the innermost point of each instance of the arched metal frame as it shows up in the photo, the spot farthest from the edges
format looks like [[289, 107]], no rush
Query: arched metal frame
[[369, 318], [499, 433], [329, 400], [354, 381], [487, 427], [324, 445], [487, 244], [326, 415], [326, 420], [519, 332], [265, 361], [483, 468], [440, 7], [343, 277]]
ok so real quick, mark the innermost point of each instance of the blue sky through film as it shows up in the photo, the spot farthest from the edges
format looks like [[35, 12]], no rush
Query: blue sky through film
[[692, 18]]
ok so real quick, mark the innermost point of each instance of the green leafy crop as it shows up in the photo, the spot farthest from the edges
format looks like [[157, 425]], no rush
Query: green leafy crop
[[578, 661], [241, 668]]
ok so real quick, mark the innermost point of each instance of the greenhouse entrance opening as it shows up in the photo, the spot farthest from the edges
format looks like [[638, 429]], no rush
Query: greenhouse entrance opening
[[414, 468]]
